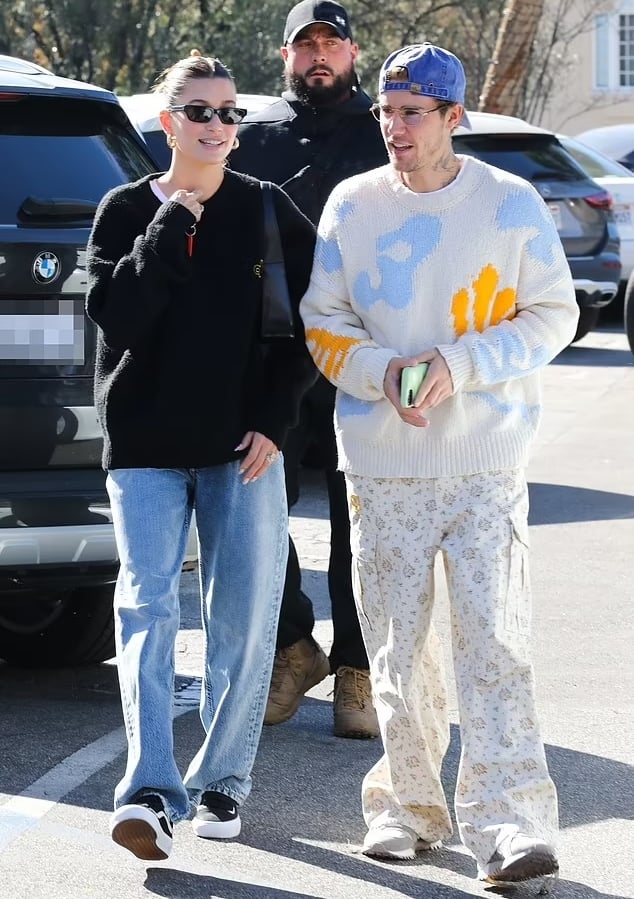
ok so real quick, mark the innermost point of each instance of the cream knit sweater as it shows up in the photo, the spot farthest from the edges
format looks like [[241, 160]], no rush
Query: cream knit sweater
[[476, 270]]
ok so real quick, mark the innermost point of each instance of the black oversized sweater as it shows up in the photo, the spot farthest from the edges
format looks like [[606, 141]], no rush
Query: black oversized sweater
[[181, 374]]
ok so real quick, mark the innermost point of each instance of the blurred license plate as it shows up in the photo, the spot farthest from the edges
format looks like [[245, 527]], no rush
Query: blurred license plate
[[623, 214], [555, 211], [36, 332]]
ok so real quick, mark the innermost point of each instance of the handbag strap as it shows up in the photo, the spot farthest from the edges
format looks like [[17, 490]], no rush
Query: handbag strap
[[273, 244]]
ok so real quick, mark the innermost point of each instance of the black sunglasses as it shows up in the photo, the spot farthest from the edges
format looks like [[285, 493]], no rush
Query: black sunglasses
[[228, 115]]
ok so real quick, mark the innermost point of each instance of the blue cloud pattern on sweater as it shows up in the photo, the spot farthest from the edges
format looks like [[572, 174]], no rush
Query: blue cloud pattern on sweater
[[327, 251], [350, 405], [522, 207], [328, 256], [509, 410], [509, 357], [413, 242]]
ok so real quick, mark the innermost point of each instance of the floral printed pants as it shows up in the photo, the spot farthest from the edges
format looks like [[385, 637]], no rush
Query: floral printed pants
[[479, 524]]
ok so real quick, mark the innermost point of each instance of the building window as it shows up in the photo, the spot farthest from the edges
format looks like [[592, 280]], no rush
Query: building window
[[614, 50], [626, 51]]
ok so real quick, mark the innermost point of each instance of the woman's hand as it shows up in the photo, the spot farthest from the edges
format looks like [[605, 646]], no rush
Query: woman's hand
[[190, 200], [261, 455]]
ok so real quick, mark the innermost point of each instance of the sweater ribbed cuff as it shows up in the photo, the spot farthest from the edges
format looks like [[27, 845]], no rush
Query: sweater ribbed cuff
[[373, 365], [459, 362]]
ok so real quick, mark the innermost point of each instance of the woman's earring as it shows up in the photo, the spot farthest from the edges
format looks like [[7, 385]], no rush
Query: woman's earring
[[171, 141], [236, 144]]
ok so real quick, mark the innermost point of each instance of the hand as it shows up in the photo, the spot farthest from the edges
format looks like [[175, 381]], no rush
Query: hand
[[190, 200], [261, 455], [436, 387]]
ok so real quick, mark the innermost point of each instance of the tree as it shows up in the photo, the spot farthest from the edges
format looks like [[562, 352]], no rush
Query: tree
[[534, 61], [512, 58], [124, 44]]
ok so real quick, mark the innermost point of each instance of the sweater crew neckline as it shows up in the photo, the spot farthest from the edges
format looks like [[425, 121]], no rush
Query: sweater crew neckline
[[466, 182]]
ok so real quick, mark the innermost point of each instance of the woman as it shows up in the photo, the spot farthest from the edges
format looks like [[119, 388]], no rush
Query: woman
[[194, 411]]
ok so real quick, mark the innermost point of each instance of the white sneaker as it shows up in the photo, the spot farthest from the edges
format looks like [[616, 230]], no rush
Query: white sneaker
[[144, 828], [395, 841], [519, 857]]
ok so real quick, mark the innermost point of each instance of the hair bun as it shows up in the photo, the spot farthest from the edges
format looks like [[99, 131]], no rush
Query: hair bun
[[195, 52]]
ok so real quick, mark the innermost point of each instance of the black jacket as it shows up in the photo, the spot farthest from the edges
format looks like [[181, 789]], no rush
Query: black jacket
[[308, 150], [180, 372]]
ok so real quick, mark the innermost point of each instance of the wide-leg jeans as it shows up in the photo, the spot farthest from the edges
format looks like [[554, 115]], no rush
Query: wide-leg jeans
[[243, 543]]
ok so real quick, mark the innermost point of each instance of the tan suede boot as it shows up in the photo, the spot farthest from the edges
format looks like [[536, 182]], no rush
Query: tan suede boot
[[295, 670], [352, 707]]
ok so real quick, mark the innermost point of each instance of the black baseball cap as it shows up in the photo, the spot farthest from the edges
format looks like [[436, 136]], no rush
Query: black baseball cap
[[309, 12]]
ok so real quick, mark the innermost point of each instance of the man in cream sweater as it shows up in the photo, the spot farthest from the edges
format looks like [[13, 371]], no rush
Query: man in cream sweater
[[443, 259]]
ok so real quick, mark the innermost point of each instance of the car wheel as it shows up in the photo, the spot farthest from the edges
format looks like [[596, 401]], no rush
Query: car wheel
[[588, 319], [628, 312], [75, 627]]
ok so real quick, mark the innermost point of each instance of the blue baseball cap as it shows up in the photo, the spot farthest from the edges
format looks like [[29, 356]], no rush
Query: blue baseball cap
[[425, 70]]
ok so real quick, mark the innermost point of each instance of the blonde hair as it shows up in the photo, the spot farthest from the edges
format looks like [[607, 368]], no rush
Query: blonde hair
[[172, 80]]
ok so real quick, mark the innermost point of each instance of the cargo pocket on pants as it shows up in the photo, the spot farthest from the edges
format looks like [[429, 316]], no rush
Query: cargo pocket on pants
[[509, 646], [515, 621]]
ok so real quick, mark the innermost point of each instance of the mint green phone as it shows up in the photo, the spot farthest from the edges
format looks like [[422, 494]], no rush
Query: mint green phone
[[411, 379]]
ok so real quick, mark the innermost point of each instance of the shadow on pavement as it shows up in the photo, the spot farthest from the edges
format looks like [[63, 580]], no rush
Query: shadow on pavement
[[313, 815], [591, 788], [593, 356], [182, 885], [558, 503], [179, 885], [562, 889]]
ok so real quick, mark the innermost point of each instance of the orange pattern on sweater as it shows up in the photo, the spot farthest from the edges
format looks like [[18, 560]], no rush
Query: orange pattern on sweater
[[483, 304], [330, 350]]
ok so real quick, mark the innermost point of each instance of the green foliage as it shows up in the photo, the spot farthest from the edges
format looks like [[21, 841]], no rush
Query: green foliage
[[124, 44]]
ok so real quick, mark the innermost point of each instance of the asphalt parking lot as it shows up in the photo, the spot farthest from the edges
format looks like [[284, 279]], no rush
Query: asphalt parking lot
[[61, 740]]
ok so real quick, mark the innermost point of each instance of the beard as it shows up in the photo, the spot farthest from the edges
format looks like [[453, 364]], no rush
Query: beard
[[321, 94]]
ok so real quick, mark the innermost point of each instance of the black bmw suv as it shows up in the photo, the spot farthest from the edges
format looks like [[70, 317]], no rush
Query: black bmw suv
[[63, 144]]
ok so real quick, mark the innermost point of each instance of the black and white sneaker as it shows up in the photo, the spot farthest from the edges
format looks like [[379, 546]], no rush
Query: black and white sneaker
[[217, 817], [144, 828]]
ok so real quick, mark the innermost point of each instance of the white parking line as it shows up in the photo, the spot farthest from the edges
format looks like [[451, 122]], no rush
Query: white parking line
[[24, 811]]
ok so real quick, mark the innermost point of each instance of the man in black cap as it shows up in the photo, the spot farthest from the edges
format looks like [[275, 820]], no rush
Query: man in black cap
[[320, 132]]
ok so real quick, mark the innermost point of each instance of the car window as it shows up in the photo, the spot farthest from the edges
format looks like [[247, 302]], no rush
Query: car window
[[158, 149], [535, 157], [61, 148], [595, 164]]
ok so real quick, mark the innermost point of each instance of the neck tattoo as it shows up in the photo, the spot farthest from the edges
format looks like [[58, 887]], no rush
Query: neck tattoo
[[448, 169]]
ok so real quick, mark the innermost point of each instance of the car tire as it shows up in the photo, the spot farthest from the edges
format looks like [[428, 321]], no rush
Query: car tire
[[57, 630], [588, 319], [628, 312]]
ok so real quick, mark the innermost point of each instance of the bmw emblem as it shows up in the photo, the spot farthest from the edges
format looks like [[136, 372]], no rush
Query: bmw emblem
[[46, 268]]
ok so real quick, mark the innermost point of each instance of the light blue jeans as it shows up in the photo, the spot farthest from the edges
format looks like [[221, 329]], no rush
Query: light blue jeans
[[243, 544]]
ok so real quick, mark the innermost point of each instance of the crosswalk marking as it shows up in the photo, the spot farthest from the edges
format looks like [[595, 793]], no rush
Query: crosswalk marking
[[23, 812]]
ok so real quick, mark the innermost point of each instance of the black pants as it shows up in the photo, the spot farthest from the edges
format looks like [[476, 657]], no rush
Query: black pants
[[297, 618]]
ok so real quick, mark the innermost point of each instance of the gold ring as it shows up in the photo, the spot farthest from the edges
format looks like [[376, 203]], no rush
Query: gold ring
[[271, 457]]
